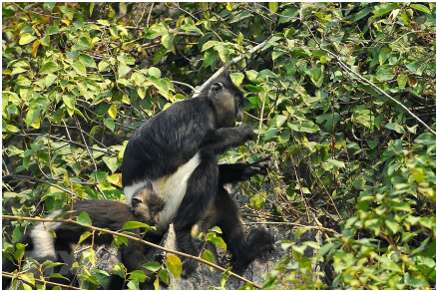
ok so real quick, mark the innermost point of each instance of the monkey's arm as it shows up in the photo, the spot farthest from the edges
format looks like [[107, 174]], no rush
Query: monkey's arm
[[232, 173], [220, 140]]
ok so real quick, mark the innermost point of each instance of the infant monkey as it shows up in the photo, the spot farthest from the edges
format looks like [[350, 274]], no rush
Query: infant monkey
[[146, 204], [112, 215]]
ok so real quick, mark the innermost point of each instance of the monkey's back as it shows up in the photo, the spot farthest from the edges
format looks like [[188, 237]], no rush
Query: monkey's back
[[106, 214]]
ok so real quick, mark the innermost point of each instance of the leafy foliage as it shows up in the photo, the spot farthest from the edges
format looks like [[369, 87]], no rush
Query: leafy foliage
[[349, 163]]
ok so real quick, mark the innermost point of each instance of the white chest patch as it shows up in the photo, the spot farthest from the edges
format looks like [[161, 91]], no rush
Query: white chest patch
[[171, 189], [42, 238]]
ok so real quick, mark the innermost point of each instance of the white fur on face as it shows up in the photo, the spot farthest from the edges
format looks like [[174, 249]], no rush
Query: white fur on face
[[171, 189], [43, 242]]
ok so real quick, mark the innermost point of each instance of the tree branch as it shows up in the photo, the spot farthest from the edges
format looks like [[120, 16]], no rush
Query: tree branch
[[226, 66], [362, 79], [18, 276], [144, 242]]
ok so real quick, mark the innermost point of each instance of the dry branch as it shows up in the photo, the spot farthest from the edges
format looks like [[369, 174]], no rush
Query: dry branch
[[226, 66], [18, 276]]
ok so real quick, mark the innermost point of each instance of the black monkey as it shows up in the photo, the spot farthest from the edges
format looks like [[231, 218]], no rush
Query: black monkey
[[177, 151], [146, 206], [112, 215], [224, 213]]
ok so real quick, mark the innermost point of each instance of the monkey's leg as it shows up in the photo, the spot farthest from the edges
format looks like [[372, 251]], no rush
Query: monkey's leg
[[201, 192], [222, 139], [243, 250]]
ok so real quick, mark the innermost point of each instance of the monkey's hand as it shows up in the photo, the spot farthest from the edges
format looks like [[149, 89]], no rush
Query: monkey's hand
[[247, 132], [257, 168]]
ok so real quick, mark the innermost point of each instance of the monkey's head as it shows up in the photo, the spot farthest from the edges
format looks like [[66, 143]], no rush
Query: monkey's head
[[146, 204], [226, 99]]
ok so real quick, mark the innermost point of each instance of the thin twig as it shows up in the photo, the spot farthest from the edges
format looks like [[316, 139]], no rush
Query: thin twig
[[262, 110], [86, 144], [186, 85], [36, 180], [133, 238], [18, 276], [294, 224], [226, 66], [368, 82], [297, 177], [149, 14]]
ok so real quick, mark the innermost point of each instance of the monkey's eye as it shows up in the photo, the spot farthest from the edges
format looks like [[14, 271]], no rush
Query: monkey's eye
[[217, 86], [136, 201]]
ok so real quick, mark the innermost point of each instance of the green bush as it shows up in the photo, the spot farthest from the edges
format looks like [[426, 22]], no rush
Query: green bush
[[349, 163]]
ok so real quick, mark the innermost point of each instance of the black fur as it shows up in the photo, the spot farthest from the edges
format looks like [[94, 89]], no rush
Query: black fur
[[111, 215], [162, 144], [225, 214]]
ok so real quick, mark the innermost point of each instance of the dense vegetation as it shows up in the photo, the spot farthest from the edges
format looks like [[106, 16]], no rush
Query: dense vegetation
[[349, 163]]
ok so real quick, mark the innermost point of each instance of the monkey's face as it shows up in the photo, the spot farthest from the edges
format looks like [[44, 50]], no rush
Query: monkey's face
[[146, 204], [227, 100]]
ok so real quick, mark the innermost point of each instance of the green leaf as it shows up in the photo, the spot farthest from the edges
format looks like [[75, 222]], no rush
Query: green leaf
[[273, 6], [395, 127], [252, 75], [218, 242], [383, 55], [154, 72], [52, 29], [123, 70], [84, 218], [363, 116], [303, 126], [164, 276], [209, 44], [288, 14], [84, 236], [70, 101], [135, 225], [385, 8], [79, 68], [109, 123], [87, 61], [174, 265], [257, 201], [112, 111], [361, 14], [392, 225], [208, 256], [152, 266], [421, 7], [237, 78], [111, 163], [33, 117], [49, 67], [103, 66], [167, 41], [402, 80], [84, 43], [138, 276], [20, 249], [26, 38]]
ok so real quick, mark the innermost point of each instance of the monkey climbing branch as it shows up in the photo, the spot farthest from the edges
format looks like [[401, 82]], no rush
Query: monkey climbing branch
[[144, 242]]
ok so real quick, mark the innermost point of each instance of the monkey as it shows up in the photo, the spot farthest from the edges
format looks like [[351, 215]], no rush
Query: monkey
[[177, 151], [243, 249], [145, 206], [107, 214]]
